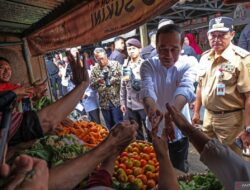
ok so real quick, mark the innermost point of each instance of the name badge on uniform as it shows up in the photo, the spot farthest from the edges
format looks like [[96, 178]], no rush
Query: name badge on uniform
[[220, 89]]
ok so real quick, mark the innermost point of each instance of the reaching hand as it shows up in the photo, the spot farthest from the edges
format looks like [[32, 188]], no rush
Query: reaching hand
[[245, 138], [196, 118], [153, 113], [169, 127], [28, 173], [156, 119], [123, 134], [159, 143], [39, 90], [23, 91], [179, 120], [79, 71]]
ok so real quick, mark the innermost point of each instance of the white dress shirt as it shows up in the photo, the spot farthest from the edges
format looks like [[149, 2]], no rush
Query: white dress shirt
[[164, 84]]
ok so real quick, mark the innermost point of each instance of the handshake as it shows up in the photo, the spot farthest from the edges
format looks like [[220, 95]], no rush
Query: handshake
[[173, 118]]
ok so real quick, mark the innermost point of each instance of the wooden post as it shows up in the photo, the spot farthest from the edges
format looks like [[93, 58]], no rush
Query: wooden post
[[28, 61], [144, 35]]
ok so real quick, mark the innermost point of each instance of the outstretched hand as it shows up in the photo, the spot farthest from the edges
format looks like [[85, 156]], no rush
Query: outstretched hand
[[169, 127], [27, 173], [180, 121], [245, 138], [159, 143], [155, 120], [123, 134], [79, 71], [23, 91], [39, 90]]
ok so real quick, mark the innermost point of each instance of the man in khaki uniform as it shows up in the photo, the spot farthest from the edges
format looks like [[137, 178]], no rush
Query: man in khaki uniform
[[224, 85]]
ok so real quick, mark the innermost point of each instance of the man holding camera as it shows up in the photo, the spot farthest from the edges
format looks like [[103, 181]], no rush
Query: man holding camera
[[106, 79]]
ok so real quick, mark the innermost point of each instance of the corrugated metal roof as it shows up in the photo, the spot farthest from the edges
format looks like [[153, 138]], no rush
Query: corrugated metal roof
[[18, 16]]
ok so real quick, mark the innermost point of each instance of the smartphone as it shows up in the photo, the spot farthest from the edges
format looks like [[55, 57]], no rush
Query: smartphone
[[238, 142]]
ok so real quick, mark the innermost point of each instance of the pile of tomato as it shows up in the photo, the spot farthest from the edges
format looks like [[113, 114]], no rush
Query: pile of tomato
[[138, 166]]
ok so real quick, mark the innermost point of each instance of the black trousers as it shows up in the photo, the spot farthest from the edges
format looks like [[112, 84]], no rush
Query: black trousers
[[178, 152], [140, 117]]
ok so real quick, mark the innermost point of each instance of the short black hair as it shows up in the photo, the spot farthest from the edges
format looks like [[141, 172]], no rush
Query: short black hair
[[118, 38], [169, 28], [4, 59]]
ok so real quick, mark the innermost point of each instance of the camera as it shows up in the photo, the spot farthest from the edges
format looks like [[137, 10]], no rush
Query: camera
[[106, 78]]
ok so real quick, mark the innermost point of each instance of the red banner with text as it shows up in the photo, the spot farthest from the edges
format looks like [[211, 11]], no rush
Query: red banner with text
[[95, 21]]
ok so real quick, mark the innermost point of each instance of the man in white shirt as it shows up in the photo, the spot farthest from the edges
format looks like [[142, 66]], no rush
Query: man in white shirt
[[169, 79]]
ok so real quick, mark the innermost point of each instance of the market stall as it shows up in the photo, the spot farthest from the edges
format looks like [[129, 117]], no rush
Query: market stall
[[101, 20]]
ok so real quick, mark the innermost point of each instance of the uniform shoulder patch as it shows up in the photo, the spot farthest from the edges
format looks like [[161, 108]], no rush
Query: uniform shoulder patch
[[240, 51], [205, 52]]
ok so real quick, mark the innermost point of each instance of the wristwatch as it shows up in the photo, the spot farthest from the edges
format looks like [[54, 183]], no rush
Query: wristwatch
[[247, 129]]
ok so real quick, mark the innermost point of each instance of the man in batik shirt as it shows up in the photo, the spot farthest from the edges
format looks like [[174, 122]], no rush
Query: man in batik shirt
[[106, 79]]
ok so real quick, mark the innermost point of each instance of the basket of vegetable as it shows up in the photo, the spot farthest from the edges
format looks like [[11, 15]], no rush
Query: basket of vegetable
[[89, 132], [56, 150], [201, 181], [136, 167]]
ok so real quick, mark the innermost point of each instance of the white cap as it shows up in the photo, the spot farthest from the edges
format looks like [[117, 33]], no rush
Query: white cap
[[164, 22]]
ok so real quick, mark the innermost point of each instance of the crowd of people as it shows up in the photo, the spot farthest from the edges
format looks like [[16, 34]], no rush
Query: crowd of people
[[145, 95]]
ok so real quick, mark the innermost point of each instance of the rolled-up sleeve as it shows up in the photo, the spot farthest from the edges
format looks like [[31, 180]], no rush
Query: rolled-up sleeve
[[147, 74], [123, 93], [186, 85], [225, 164]]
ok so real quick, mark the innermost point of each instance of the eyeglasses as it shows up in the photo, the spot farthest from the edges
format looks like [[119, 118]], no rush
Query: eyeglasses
[[222, 35]]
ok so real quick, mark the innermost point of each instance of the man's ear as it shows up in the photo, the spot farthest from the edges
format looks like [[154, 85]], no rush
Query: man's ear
[[232, 34]]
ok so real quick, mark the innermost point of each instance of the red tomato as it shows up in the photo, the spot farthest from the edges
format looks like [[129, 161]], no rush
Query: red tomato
[[124, 154], [147, 149], [137, 171], [155, 161], [123, 177], [129, 171], [135, 149], [143, 162], [145, 156], [123, 166], [129, 148], [143, 178], [124, 159], [151, 183], [136, 156], [128, 163], [141, 146], [150, 175], [131, 178], [152, 155], [149, 167], [137, 163], [138, 183], [151, 162]]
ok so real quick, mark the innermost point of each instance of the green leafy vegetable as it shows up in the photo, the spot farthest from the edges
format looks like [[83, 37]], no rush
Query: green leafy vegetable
[[55, 149], [201, 182]]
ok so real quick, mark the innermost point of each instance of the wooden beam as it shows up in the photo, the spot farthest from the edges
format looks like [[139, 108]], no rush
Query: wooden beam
[[4, 44], [144, 35]]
